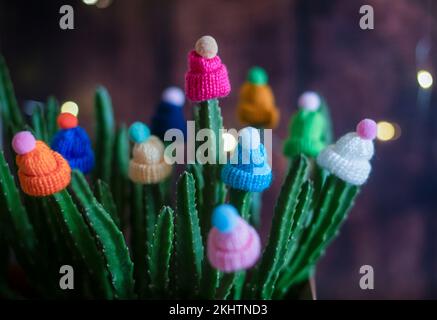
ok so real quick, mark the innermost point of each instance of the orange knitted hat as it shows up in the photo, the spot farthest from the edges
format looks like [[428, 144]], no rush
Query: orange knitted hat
[[256, 106], [41, 171]]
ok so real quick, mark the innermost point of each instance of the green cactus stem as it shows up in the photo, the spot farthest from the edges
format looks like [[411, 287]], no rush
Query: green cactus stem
[[15, 222], [189, 246], [60, 249], [139, 238], [197, 171], [241, 200], [226, 285], [104, 134], [324, 111], [120, 181], [146, 202], [51, 115], [255, 209], [109, 237], [8, 103], [282, 223], [301, 216], [104, 196], [84, 242], [209, 117], [160, 252], [335, 201], [39, 123]]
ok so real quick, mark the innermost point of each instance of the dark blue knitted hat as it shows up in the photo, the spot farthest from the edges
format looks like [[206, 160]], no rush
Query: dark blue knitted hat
[[73, 143], [248, 169], [170, 113]]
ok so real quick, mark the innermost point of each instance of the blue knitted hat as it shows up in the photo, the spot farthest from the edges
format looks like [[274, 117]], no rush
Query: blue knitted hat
[[73, 143], [248, 169], [169, 113]]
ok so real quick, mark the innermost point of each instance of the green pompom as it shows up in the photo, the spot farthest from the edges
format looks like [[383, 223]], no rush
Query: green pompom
[[139, 132], [257, 75]]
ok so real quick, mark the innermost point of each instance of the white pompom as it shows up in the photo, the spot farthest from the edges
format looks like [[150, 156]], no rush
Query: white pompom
[[206, 47], [249, 138], [309, 101], [174, 95]]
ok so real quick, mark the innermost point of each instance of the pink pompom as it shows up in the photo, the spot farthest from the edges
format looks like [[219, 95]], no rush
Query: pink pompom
[[23, 142], [366, 129], [235, 250]]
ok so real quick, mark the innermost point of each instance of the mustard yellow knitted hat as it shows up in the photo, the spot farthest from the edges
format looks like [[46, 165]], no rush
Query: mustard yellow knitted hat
[[147, 165], [256, 106]]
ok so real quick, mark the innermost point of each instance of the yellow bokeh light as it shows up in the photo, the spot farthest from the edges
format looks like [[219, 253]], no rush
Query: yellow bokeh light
[[90, 2], [229, 142], [70, 107], [385, 131], [424, 78]]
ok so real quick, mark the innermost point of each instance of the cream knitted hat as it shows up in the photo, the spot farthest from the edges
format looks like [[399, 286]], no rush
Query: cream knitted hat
[[148, 164], [349, 157]]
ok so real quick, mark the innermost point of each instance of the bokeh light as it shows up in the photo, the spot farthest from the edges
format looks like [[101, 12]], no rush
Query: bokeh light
[[229, 142], [387, 131], [70, 107], [424, 78], [90, 2]]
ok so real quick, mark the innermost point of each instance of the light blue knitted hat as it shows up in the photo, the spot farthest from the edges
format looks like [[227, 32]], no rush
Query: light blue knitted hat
[[248, 169]]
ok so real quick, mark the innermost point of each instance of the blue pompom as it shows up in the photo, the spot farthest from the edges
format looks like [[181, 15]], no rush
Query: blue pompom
[[139, 132], [225, 217]]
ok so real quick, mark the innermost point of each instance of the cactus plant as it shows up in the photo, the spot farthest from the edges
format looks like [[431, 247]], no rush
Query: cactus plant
[[85, 225]]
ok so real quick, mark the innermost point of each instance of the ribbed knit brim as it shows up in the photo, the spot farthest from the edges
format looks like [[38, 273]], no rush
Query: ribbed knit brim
[[353, 171], [148, 164], [43, 172], [148, 173], [242, 180], [294, 146]]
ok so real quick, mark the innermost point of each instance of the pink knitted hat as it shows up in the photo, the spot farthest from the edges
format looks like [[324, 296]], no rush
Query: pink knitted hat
[[232, 243], [207, 78]]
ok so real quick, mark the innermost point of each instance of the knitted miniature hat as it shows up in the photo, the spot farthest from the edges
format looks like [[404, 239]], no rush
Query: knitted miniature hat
[[308, 127], [349, 157], [233, 244], [170, 114], [256, 104], [41, 171], [248, 169], [148, 165], [207, 78], [73, 143]]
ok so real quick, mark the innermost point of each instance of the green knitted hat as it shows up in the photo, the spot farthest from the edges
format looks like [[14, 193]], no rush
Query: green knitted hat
[[310, 128]]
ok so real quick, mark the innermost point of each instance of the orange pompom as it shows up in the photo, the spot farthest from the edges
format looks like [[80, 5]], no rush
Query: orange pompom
[[67, 121]]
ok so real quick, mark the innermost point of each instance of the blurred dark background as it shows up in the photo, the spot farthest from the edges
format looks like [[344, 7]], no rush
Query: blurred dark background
[[138, 47]]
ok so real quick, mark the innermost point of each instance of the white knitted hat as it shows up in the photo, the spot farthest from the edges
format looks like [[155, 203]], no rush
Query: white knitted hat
[[349, 157]]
